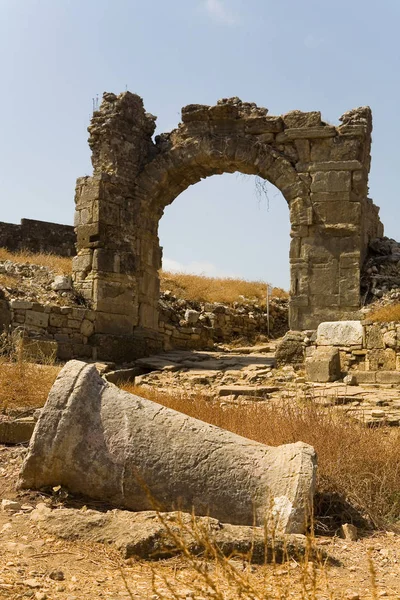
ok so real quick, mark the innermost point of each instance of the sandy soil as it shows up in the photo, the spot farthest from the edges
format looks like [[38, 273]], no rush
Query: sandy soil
[[33, 565]]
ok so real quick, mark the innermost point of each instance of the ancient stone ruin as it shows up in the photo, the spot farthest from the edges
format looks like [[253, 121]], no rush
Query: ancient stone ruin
[[38, 236], [102, 442], [321, 170]]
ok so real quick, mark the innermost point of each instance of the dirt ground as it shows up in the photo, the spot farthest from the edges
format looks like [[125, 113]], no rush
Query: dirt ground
[[33, 565]]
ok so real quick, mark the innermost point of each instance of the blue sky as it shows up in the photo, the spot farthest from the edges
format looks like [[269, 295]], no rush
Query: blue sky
[[56, 55]]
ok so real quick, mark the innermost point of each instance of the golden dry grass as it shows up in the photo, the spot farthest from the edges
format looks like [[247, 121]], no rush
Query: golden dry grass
[[355, 462], [216, 289], [7, 280], [23, 383], [59, 264], [385, 314], [182, 285]]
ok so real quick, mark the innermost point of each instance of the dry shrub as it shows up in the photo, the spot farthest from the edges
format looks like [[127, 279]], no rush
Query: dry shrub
[[216, 289], [359, 464], [59, 264], [23, 383], [385, 314]]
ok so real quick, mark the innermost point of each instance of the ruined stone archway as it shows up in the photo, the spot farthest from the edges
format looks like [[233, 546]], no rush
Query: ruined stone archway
[[321, 170]]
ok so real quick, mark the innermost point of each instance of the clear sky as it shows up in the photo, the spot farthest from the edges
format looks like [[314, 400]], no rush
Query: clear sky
[[56, 55]]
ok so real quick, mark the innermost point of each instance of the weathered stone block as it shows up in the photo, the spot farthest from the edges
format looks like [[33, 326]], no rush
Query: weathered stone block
[[392, 377], [36, 319], [340, 333], [310, 132], [58, 320], [257, 125], [113, 324], [323, 365], [361, 377], [382, 360], [331, 181], [21, 305], [335, 165], [87, 328], [39, 350], [297, 118], [374, 336], [18, 431]]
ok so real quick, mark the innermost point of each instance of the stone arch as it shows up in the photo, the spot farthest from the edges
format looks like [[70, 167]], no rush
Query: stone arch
[[321, 170]]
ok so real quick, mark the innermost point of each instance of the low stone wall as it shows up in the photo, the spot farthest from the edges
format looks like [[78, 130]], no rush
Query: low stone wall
[[49, 329], [377, 360], [69, 332], [38, 236], [368, 352], [195, 325]]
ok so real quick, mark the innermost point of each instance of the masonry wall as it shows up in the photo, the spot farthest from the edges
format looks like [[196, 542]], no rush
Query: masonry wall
[[377, 360], [70, 332], [38, 236], [321, 170]]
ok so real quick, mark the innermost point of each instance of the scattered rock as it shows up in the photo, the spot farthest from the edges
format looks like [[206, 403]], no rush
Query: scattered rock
[[62, 283], [145, 534], [10, 505], [349, 532], [57, 575]]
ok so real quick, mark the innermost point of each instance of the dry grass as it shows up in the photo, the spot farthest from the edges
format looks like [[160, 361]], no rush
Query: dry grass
[[182, 285], [7, 280], [24, 383], [359, 464], [385, 314], [214, 289], [59, 264]]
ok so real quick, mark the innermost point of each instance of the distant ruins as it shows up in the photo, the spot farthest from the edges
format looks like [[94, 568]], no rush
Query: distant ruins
[[38, 236], [321, 170]]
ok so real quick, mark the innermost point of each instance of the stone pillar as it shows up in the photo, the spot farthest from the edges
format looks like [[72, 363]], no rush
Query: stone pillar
[[125, 450], [105, 270]]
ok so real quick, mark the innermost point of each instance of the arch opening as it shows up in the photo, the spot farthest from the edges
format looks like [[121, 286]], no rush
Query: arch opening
[[320, 169]]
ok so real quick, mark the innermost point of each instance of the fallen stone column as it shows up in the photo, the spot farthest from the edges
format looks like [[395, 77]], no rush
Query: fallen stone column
[[100, 441]]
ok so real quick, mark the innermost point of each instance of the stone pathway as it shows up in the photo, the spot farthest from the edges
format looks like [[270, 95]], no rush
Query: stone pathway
[[250, 374]]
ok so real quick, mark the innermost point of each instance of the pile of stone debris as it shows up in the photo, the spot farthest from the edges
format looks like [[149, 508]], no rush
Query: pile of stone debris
[[380, 276], [245, 318], [36, 283]]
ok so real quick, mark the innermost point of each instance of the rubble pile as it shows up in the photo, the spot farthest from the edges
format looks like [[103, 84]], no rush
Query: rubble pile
[[36, 283], [186, 321], [380, 275]]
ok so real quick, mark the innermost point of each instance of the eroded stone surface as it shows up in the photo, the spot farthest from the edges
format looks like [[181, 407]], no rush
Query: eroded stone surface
[[104, 443], [145, 534], [340, 333], [321, 170]]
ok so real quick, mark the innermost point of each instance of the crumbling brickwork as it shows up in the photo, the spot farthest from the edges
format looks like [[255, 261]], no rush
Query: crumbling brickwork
[[321, 170]]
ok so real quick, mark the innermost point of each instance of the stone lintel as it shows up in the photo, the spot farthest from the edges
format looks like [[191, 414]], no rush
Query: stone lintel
[[325, 131], [352, 130]]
